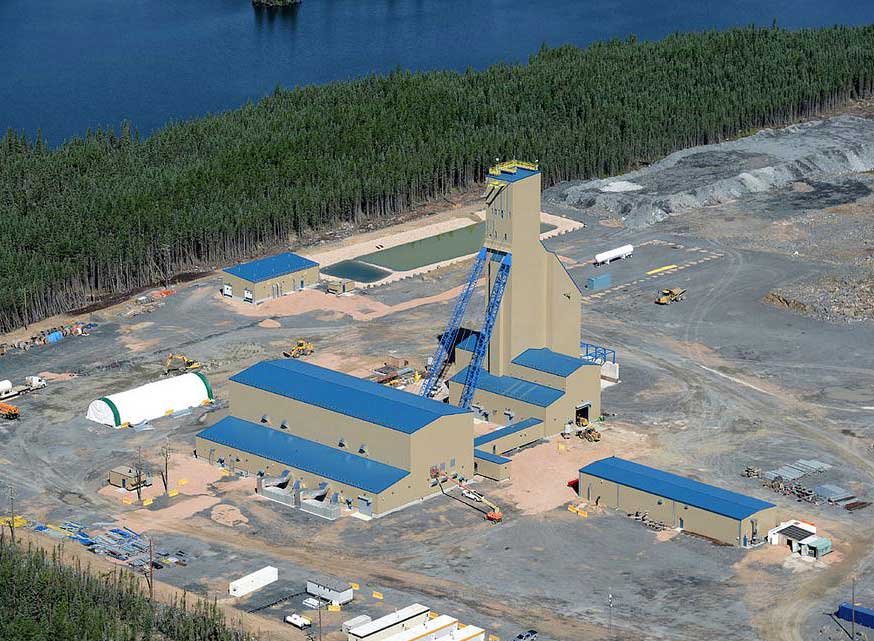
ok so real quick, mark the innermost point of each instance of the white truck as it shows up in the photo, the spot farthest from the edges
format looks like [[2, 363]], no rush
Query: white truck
[[31, 383], [607, 257], [301, 623]]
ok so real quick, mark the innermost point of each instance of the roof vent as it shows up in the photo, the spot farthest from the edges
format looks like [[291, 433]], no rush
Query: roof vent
[[363, 449]]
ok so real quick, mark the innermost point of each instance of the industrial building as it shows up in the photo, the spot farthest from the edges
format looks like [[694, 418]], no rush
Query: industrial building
[[677, 501], [338, 438], [415, 623], [269, 277], [524, 362], [333, 591]]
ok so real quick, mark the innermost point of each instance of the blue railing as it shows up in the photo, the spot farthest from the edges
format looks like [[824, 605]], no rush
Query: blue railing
[[597, 354]]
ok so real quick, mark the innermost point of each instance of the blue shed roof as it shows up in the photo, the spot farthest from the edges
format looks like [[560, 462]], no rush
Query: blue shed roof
[[271, 267], [508, 177], [501, 432], [491, 458], [303, 454], [513, 387], [344, 394], [545, 360], [676, 488]]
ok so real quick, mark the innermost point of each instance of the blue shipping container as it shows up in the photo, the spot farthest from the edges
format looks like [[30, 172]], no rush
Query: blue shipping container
[[863, 616], [598, 282]]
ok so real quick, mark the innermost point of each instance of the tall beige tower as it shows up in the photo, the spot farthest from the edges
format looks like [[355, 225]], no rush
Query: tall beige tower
[[541, 302]]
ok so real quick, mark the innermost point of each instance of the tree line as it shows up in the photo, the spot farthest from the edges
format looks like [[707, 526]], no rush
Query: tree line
[[43, 599], [111, 212]]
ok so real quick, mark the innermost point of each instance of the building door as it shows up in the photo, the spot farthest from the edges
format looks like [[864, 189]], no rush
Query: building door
[[681, 523], [589, 492], [582, 413], [365, 506], [301, 283]]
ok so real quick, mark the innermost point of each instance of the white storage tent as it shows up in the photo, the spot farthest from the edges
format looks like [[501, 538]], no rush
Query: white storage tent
[[151, 401]]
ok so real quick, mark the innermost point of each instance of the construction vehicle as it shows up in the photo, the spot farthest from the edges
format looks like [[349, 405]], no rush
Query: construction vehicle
[[301, 348], [673, 295], [9, 412], [31, 384], [180, 363], [494, 515], [581, 430]]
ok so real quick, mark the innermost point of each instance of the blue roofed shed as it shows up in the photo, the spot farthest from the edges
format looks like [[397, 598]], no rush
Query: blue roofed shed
[[304, 455], [263, 269], [512, 387], [676, 488], [345, 394], [508, 430], [545, 360]]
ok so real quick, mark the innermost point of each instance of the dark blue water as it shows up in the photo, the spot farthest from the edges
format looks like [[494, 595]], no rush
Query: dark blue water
[[69, 65]]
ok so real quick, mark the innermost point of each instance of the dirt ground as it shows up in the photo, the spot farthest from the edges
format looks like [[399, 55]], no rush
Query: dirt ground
[[709, 386]]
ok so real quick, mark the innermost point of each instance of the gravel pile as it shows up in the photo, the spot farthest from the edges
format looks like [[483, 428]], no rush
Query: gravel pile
[[721, 173], [843, 299]]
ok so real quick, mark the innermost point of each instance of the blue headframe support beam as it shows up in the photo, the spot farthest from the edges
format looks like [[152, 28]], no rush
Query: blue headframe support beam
[[482, 342], [447, 341]]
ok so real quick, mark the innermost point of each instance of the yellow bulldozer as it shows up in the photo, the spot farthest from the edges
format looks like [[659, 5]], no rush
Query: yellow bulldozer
[[180, 363], [301, 348], [673, 295]]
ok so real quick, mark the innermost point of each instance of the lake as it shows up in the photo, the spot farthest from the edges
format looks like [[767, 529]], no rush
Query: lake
[[67, 66]]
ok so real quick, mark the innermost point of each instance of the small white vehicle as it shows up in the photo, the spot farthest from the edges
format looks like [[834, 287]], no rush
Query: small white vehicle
[[470, 494], [301, 623]]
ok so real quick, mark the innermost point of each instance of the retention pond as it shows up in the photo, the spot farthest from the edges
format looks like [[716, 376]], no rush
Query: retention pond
[[375, 266]]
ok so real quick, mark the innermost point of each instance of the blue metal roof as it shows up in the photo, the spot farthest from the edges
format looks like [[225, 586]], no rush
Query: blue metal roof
[[513, 387], [469, 343], [271, 267], [344, 394], [545, 360], [303, 454], [676, 488], [508, 177], [491, 458], [501, 432]]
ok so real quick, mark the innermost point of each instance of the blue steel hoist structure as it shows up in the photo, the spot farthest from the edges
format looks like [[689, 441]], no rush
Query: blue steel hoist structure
[[447, 340], [482, 340]]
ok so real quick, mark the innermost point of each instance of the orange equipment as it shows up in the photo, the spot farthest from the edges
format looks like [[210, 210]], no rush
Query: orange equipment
[[9, 411]]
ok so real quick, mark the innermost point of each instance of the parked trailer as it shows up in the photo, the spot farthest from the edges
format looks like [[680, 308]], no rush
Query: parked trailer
[[862, 616], [607, 257], [254, 581], [31, 383]]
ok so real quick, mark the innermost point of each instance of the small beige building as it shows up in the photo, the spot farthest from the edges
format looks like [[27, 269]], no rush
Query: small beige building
[[126, 478], [270, 277], [346, 439], [677, 501]]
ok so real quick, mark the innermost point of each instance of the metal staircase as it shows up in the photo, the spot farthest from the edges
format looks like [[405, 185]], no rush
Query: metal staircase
[[482, 342], [447, 341]]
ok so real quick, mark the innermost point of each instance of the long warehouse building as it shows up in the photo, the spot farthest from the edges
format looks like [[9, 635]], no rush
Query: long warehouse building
[[369, 445], [677, 501]]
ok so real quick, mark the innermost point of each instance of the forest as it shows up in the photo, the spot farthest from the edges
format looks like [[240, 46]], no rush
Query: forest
[[111, 212], [42, 599]]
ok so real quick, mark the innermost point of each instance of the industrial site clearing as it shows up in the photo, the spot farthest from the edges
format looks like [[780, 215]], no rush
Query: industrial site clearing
[[633, 407]]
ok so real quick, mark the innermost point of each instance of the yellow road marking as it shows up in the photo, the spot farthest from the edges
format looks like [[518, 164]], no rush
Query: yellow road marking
[[660, 269]]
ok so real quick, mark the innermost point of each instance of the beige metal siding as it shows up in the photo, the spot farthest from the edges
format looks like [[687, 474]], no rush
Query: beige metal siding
[[266, 289], [494, 471]]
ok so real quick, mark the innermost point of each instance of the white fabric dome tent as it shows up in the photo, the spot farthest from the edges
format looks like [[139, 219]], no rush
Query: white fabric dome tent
[[151, 401]]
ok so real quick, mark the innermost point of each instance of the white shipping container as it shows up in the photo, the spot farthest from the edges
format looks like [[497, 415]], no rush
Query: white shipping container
[[614, 254], [254, 581]]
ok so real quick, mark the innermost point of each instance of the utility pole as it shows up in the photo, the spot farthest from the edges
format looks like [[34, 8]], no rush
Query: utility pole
[[139, 473], [12, 513], [151, 574], [165, 452], [853, 603]]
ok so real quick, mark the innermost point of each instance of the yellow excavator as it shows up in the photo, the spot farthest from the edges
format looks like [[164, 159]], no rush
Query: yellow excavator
[[673, 295], [180, 363], [301, 348]]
